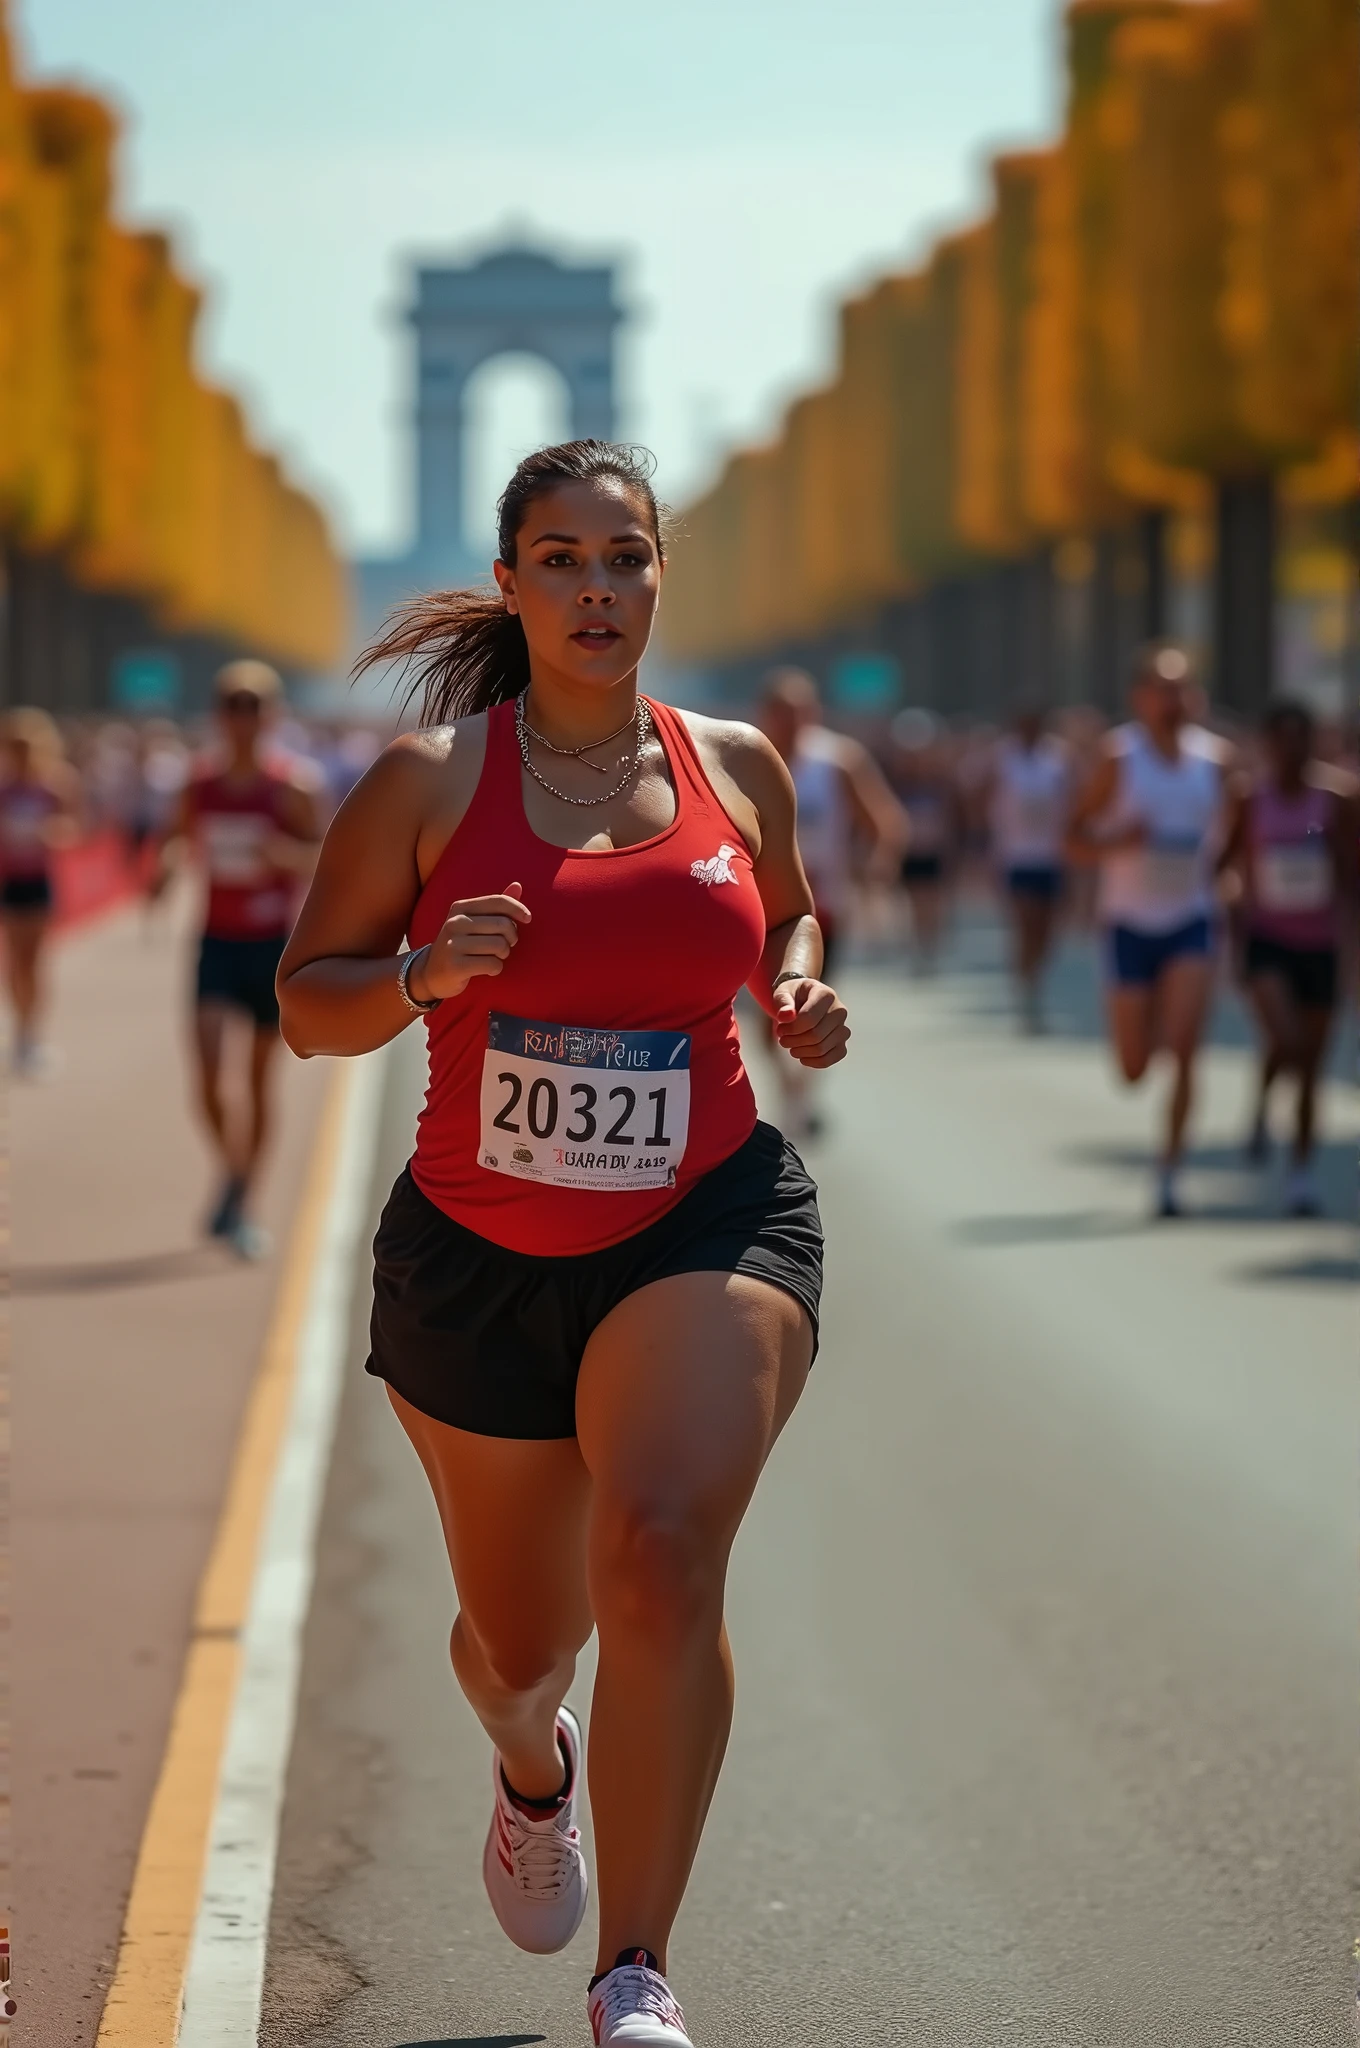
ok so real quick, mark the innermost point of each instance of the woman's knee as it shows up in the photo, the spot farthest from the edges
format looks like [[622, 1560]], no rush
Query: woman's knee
[[507, 1663], [1133, 1061], [656, 1572]]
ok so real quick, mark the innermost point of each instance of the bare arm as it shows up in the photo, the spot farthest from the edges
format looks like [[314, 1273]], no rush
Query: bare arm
[[877, 813], [809, 1018], [1082, 845], [1233, 852], [294, 850], [1345, 837], [337, 980]]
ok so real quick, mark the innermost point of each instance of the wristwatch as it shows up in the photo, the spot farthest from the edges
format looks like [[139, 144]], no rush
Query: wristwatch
[[403, 976]]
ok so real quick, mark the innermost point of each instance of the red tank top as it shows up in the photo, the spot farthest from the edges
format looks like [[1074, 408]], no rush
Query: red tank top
[[248, 897], [576, 1096]]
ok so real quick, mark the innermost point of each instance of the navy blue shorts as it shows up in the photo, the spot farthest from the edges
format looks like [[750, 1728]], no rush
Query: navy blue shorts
[[1138, 958], [241, 972], [1043, 884]]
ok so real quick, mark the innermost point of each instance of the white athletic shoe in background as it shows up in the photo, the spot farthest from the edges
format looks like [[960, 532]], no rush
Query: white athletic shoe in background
[[534, 1871], [633, 2006]]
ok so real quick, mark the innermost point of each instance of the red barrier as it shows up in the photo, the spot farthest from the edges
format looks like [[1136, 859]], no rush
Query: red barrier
[[93, 876]]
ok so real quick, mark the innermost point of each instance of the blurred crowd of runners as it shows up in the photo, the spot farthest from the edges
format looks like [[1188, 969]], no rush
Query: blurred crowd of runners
[[1195, 851]]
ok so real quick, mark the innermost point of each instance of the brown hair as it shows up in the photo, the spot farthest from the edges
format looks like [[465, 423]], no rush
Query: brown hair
[[461, 650]]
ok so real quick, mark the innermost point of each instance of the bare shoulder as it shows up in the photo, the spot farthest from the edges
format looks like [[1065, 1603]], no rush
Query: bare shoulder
[[741, 751], [1339, 782], [1213, 747], [424, 773]]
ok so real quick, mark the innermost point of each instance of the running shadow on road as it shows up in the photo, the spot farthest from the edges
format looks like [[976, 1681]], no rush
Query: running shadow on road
[[1319, 1270], [1252, 1194], [477, 2041], [1066, 1227], [142, 1269]]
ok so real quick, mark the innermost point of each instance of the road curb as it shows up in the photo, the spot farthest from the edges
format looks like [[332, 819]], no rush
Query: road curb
[[191, 1957]]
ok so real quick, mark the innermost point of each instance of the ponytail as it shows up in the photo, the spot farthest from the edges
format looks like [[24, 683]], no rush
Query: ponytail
[[461, 651]]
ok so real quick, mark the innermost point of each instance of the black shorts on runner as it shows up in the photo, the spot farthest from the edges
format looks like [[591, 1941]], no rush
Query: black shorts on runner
[[922, 867], [1041, 884], [241, 972], [491, 1340], [1309, 972], [30, 895]]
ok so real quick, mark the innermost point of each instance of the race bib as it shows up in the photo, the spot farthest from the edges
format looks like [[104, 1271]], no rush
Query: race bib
[[1172, 868], [1037, 816], [1293, 878], [576, 1107], [233, 847]]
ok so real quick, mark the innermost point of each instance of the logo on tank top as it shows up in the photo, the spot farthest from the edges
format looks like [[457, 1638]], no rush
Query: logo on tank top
[[717, 869]]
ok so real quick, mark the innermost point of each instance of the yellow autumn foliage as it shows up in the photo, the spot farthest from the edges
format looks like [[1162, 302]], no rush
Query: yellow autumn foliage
[[115, 454]]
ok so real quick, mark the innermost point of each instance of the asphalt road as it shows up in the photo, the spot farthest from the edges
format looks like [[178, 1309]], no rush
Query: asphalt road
[[1044, 1617]]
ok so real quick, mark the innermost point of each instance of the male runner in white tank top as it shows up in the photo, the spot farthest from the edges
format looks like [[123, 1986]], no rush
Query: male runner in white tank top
[[849, 822], [1151, 817]]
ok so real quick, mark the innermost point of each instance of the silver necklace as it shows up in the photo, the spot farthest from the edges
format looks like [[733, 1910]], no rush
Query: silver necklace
[[641, 721], [579, 753]]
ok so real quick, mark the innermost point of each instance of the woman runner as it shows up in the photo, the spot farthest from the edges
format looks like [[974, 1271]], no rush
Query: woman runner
[[597, 1282], [39, 802], [1292, 838]]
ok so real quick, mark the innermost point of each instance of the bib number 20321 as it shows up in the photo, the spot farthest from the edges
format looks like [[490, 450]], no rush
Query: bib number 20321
[[577, 1107]]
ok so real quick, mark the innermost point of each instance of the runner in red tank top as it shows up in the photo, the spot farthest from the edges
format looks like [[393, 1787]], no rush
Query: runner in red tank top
[[1292, 839], [254, 826], [597, 1283]]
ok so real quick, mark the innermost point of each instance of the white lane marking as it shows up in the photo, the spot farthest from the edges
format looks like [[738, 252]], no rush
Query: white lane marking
[[225, 1977]]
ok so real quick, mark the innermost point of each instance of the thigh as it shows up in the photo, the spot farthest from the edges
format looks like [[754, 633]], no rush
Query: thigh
[[265, 1042], [1273, 1001], [1184, 987], [211, 1019], [683, 1390], [1315, 1029], [25, 931], [1130, 1008], [514, 1515]]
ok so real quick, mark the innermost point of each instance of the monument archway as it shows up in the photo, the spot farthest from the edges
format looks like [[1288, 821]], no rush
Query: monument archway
[[510, 404], [510, 302]]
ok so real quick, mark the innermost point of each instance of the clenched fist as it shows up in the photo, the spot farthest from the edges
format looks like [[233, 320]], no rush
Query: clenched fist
[[477, 937]]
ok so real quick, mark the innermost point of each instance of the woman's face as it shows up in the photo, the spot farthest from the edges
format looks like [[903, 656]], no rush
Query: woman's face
[[585, 583]]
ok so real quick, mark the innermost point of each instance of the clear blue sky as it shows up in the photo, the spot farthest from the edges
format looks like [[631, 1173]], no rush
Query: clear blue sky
[[750, 160]]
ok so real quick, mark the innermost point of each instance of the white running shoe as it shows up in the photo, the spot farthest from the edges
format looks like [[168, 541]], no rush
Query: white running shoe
[[534, 1871], [632, 2006]]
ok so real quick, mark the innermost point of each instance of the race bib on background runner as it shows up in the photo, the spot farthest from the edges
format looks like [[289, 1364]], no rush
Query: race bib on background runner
[[1294, 877], [234, 847], [576, 1107], [1172, 867]]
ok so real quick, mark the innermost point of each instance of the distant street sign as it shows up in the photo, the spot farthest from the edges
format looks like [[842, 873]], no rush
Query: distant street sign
[[146, 679], [866, 682]]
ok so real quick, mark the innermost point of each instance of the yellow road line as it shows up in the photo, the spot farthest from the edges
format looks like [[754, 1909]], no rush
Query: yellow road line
[[143, 2005]]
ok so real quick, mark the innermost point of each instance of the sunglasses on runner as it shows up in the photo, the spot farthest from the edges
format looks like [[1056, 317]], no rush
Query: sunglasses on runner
[[240, 702]]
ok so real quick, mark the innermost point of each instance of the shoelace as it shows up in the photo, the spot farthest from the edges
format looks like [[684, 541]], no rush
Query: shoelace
[[627, 1992], [542, 1856]]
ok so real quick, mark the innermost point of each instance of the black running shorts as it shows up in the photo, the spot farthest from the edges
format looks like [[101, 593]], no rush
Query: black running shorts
[[492, 1340], [240, 973], [1310, 973], [26, 895]]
